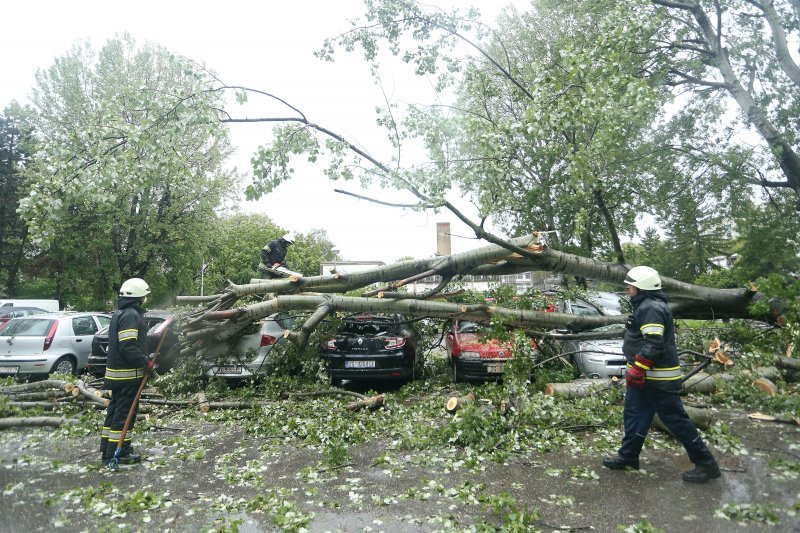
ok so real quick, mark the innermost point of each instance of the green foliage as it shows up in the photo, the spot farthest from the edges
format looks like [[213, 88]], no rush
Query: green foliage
[[769, 241], [744, 513], [129, 163]]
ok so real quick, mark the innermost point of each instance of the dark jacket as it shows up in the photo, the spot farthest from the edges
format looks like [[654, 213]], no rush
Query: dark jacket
[[650, 332], [274, 252], [127, 344]]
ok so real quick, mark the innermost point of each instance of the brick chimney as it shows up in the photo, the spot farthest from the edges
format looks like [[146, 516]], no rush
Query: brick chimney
[[443, 238]]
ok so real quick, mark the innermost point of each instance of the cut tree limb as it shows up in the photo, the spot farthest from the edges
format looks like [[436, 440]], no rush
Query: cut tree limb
[[328, 392], [35, 421], [455, 403], [371, 403], [702, 418], [701, 382], [40, 395], [779, 419], [38, 385], [789, 363], [92, 395], [201, 401], [580, 387]]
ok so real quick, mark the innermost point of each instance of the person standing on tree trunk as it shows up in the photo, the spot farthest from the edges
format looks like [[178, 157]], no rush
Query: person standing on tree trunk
[[273, 255], [127, 364], [653, 380]]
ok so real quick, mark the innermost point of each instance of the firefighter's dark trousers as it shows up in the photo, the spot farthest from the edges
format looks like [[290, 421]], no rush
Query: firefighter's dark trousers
[[641, 405], [122, 396]]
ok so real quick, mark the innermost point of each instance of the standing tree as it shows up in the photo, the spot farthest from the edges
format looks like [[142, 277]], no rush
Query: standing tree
[[14, 151], [128, 167], [740, 50]]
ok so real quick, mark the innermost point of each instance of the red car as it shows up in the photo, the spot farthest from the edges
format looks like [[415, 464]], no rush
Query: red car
[[473, 356]]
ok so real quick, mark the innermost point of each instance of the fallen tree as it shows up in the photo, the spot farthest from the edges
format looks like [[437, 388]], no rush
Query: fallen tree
[[221, 317]]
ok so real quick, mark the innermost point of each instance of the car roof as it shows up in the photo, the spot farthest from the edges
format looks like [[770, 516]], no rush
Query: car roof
[[62, 314], [9, 309]]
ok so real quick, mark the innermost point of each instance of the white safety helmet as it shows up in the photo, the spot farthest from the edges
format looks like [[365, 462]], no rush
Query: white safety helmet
[[644, 278], [289, 237], [134, 288]]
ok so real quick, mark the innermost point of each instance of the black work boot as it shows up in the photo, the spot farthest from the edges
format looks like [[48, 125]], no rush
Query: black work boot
[[128, 457], [620, 463], [702, 473]]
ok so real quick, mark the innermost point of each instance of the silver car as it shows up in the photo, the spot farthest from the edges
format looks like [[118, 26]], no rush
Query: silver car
[[48, 343], [601, 358], [248, 359]]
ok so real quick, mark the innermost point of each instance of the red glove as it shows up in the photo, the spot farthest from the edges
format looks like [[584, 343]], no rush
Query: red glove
[[635, 376], [150, 364]]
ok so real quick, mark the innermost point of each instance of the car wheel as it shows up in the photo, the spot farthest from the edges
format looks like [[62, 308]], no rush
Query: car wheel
[[64, 365]]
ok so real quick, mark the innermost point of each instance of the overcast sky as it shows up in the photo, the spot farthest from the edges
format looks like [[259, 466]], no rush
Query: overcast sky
[[267, 45]]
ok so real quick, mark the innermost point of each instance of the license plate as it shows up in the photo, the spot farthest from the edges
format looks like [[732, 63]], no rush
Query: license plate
[[495, 369], [9, 369], [229, 370], [359, 364]]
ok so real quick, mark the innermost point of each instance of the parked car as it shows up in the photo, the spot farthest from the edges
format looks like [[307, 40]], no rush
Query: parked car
[[49, 342], [251, 354], [156, 321], [8, 312], [247, 359], [601, 358], [474, 356], [373, 347]]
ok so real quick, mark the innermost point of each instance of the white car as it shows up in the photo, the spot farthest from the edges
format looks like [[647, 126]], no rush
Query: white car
[[599, 358], [48, 343], [248, 359]]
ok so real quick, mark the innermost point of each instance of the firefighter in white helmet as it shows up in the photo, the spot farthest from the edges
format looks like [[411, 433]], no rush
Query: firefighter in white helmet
[[126, 365], [653, 380]]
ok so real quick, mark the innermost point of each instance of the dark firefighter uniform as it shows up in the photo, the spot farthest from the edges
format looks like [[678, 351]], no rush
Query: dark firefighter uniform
[[126, 366], [274, 252], [650, 345]]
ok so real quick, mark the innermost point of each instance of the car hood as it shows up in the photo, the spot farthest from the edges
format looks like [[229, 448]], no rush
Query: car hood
[[489, 348], [611, 346]]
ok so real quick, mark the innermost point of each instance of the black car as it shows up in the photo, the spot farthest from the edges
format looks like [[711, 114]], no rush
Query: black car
[[170, 350], [373, 347]]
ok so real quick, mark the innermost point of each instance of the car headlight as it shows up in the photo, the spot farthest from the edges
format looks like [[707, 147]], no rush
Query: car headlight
[[470, 356]]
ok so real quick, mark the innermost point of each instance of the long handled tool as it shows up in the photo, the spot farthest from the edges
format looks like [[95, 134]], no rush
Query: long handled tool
[[113, 464]]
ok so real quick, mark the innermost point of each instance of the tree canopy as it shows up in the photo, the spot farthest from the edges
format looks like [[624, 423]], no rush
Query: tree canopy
[[128, 168]]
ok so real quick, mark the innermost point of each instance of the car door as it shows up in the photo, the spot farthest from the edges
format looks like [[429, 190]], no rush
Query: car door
[[83, 329]]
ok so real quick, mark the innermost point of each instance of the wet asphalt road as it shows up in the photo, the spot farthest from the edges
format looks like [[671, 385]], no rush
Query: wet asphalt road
[[416, 491]]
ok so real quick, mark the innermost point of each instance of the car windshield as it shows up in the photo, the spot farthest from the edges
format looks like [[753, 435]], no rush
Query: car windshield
[[610, 327], [608, 304], [365, 328], [467, 327], [27, 328]]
